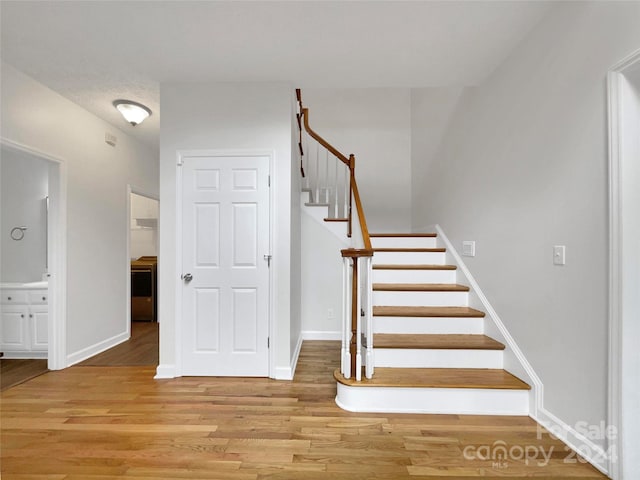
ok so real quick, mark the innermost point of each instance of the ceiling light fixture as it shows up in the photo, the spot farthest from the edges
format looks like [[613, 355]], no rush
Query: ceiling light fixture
[[133, 112]]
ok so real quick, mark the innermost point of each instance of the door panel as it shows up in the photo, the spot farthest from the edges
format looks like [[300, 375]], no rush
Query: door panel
[[225, 236]]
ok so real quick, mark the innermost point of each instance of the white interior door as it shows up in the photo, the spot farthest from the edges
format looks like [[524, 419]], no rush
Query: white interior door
[[225, 238]]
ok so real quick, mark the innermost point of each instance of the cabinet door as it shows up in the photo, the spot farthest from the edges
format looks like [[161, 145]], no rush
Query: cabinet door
[[39, 317], [14, 329]]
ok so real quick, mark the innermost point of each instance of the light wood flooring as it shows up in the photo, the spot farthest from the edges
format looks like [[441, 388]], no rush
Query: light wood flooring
[[98, 423], [141, 349], [16, 371]]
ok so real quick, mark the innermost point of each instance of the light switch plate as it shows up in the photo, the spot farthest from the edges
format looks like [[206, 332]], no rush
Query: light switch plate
[[559, 255], [469, 248]]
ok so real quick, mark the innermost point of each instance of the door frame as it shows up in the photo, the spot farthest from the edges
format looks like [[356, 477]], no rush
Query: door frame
[[621, 312], [56, 251], [181, 155]]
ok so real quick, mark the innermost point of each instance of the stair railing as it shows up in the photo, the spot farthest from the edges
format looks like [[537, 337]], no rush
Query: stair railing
[[329, 177]]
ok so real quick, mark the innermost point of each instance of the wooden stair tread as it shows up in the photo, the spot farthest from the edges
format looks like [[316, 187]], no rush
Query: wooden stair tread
[[419, 287], [436, 341], [403, 235], [409, 250], [413, 267], [437, 378], [395, 311], [336, 219]]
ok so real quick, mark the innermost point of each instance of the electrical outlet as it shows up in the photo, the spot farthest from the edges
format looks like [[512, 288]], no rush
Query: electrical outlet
[[330, 314]]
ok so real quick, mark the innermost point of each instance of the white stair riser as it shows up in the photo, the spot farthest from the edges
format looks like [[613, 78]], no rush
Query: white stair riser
[[414, 276], [428, 325], [409, 258], [437, 358], [471, 401], [420, 299], [403, 242]]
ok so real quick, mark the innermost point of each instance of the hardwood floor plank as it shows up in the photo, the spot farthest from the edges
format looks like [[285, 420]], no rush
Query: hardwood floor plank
[[98, 423], [140, 349]]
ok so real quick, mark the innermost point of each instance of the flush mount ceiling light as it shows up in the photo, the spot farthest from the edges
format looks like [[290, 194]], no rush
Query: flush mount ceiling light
[[133, 112]]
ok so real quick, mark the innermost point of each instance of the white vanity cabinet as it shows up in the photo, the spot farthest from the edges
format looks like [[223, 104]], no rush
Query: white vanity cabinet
[[24, 323]]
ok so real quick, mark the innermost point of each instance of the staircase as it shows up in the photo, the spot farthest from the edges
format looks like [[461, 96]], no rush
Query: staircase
[[411, 342], [429, 348]]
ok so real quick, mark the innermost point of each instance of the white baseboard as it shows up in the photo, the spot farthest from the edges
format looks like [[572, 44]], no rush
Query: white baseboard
[[165, 371], [287, 373], [321, 335], [585, 447], [97, 348]]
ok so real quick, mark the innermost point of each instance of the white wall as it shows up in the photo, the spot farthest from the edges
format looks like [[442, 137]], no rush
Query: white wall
[[222, 116], [374, 125], [523, 167], [431, 112], [97, 217], [321, 279], [25, 185], [144, 238]]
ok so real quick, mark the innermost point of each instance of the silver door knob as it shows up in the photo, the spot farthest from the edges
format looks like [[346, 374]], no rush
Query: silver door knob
[[187, 277]]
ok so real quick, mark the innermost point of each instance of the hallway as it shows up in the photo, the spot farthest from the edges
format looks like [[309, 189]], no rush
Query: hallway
[[140, 350]]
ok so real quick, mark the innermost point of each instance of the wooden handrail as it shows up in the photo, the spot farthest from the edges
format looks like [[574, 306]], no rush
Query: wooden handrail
[[322, 141], [350, 162], [361, 218]]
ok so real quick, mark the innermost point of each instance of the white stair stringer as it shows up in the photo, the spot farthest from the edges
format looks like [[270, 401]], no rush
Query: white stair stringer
[[437, 358], [462, 401], [318, 212], [514, 359]]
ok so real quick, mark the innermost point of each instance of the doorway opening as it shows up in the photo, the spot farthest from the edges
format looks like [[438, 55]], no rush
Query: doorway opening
[[142, 347], [32, 262]]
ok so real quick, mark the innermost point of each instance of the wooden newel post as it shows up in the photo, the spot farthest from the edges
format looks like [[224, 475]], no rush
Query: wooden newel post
[[354, 332]]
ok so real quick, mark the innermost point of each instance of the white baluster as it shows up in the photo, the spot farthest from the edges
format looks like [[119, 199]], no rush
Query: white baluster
[[307, 173], [369, 319], [335, 188], [359, 326], [317, 176], [346, 318], [326, 179], [347, 179]]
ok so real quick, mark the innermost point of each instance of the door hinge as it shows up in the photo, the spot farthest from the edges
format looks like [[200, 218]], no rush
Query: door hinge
[[269, 180], [268, 342], [267, 258]]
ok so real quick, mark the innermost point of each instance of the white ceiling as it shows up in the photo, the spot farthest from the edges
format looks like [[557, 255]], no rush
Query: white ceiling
[[94, 52]]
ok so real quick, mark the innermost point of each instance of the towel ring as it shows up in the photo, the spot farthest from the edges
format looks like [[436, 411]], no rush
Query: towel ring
[[17, 233]]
